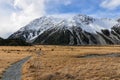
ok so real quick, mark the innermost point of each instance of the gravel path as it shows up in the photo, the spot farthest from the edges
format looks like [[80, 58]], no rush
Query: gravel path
[[100, 55], [14, 72]]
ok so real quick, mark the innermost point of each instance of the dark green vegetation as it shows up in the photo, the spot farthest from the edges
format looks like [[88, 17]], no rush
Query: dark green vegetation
[[13, 42]]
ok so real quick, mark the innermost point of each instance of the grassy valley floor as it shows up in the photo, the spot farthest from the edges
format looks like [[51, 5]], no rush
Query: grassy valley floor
[[70, 63]]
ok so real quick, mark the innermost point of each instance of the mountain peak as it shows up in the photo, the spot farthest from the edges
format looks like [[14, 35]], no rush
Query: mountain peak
[[83, 16], [118, 20], [75, 25]]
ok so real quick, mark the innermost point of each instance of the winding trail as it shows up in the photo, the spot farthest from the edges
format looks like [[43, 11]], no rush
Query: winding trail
[[14, 71], [100, 55]]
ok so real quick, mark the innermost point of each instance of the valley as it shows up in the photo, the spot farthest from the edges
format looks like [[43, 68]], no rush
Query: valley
[[59, 40], [63, 62]]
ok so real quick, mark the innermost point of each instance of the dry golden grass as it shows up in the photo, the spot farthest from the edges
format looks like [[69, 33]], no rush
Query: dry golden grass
[[10, 55], [63, 63]]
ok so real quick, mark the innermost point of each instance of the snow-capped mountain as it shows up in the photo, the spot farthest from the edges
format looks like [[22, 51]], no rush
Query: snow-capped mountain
[[75, 30]]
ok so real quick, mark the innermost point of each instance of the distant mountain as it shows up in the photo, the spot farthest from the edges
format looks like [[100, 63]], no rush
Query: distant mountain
[[76, 30]]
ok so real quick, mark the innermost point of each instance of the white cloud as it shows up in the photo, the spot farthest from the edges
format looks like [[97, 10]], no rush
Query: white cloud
[[67, 2], [29, 10], [64, 2], [110, 4], [23, 12]]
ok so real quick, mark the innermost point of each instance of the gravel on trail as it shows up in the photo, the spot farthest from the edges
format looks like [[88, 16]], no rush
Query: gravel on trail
[[14, 71]]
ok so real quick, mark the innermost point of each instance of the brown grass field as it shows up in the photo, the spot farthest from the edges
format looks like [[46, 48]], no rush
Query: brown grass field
[[63, 62]]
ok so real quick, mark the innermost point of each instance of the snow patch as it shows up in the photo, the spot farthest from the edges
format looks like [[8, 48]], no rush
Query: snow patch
[[88, 24]]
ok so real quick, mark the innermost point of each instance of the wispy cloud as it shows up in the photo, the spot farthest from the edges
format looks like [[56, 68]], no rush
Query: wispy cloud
[[110, 4], [28, 10], [17, 13]]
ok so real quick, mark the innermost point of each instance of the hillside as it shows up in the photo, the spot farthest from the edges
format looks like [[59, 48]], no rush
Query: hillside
[[76, 30], [13, 42]]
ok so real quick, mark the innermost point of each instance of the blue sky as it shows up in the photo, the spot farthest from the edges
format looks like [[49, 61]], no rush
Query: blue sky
[[74, 6], [89, 7], [17, 13]]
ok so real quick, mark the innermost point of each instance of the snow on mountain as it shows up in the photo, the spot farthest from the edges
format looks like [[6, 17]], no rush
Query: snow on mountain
[[92, 25]]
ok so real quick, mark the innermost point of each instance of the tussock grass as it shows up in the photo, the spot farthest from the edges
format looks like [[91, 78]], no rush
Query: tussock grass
[[62, 63]]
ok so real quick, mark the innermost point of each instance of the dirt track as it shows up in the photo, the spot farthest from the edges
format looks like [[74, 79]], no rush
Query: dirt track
[[14, 71]]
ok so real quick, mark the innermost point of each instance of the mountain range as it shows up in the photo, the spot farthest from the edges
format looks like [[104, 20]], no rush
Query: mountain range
[[74, 30]]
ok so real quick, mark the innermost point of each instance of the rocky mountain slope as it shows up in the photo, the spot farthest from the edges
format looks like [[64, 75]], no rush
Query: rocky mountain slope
[[1, 38], [76, 30]]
